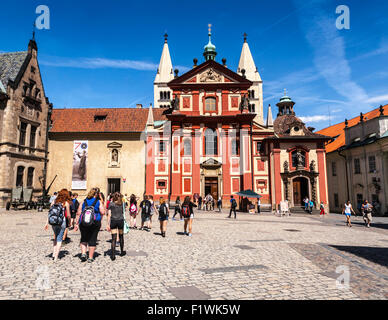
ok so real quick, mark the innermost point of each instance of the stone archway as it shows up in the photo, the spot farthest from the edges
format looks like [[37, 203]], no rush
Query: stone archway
[[289, 177], [211, 178]]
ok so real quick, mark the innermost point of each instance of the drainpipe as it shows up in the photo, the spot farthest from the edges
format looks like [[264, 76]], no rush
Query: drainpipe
[[346, 172], [49, 112], [170, 182]]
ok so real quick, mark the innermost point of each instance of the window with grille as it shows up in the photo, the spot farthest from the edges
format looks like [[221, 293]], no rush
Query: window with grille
[[211, 142], [336, 201], [30, 177], [33, 136], [334, 169], [162, 146], [372, 163], [210, 104], [187, 147], [235, 146], [357, 166], [23, 132], [19, 176]]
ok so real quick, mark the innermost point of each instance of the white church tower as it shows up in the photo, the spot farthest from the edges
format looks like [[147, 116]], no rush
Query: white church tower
[[162, 93], [247, 64]]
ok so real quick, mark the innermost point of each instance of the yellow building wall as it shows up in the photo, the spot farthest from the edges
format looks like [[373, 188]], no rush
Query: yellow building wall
[[132, 164]]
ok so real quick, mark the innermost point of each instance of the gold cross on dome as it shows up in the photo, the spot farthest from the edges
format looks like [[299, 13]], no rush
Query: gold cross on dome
[[210, 27]]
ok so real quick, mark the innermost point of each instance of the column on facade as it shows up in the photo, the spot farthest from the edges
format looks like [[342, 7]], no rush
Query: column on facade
[[321, 156], [245, 157], [196, 159], [176, 178], [277, 176], [150, 165], [227, 188]]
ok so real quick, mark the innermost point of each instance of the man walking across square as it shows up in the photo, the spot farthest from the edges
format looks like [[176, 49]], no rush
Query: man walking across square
[[233, 205]]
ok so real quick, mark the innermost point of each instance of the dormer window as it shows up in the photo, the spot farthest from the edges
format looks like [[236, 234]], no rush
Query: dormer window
[[100, 117]]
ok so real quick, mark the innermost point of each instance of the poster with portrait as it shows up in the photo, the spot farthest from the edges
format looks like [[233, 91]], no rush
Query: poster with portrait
[[80, 156]]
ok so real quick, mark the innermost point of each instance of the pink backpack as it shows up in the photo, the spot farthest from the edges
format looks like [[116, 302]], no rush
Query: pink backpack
[[133, 209]]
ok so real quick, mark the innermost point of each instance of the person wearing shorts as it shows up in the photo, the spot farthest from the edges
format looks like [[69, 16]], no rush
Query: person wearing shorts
[[116, 223], [153, 210], [59, 231], [132, 211], [163, 216], [348, 209], [188, 220], [366, 209], [145, 207], [89, 234]]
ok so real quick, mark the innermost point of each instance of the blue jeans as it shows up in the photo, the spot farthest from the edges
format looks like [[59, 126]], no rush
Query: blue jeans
[[59, 231]]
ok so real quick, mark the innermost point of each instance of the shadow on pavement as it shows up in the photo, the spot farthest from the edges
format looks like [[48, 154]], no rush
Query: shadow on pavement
[[374, 254], [373, 225]]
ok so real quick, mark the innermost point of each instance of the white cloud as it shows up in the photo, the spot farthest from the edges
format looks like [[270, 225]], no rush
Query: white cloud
[[378, 99], [98, 63], [329, 53], [316, 118]]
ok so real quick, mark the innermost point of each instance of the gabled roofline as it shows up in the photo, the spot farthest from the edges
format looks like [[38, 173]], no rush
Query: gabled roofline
[[209, 63]]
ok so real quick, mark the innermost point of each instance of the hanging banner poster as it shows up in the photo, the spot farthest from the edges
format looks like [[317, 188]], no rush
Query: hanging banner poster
[[80, 156]]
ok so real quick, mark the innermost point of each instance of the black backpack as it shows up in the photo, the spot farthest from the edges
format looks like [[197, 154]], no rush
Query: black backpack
[[163, 210], [234, 203], [56, 214], [146, 207], [88, 215]]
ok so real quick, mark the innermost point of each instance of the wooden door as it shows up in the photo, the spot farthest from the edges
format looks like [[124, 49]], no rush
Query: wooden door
[[297, 194]]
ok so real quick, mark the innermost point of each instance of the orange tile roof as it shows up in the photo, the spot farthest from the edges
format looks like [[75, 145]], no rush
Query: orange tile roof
[[338, 129], [117, 119]]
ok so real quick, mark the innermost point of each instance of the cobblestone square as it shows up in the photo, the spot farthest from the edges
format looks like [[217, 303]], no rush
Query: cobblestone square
[[252, 257]]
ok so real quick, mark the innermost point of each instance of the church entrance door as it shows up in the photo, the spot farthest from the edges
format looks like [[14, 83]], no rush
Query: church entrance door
[[211, 186], [113, 185], [300, 190]]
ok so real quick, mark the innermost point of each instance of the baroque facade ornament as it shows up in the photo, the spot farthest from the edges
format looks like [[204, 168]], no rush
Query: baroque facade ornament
[[210, 76]]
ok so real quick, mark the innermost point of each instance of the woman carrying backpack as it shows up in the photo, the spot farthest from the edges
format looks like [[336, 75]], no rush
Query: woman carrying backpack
[[153, 209], [163, 216], [177, 208], [57, 219], [116, 223], [188, 214], [145, 206], [132, 211], [89, 222]]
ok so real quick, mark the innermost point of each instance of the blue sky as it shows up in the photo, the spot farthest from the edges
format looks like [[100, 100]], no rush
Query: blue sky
[[105, 53]]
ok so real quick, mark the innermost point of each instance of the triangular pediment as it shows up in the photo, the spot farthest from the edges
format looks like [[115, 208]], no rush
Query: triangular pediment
[[210, 72], [211, 162]]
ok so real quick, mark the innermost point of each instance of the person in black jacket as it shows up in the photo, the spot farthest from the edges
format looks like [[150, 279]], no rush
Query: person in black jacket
[[73, 209], [188, 214]]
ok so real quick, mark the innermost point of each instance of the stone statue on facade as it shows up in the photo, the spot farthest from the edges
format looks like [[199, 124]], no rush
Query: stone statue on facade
[[312, 166]]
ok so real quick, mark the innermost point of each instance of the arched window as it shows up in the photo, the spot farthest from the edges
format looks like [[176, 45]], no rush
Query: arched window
[[161, 95], [210, 104], [211, 142], [234, 147], [168, 95], [298, 158], [19, 176], [187, 147]]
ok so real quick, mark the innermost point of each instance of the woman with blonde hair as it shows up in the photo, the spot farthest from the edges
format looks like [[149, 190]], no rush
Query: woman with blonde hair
[[89, 222], [163, 216], [116, 223], [59, 209]]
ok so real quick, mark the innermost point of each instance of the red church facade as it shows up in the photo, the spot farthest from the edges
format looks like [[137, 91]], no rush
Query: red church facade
[[213, 142]]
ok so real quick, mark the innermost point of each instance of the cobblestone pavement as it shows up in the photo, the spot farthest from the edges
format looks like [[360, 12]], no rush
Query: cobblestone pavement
[[253, 257]]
